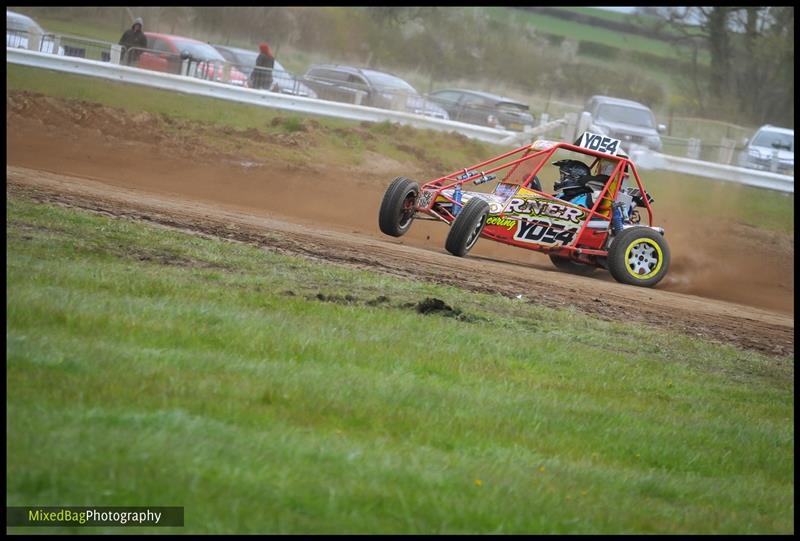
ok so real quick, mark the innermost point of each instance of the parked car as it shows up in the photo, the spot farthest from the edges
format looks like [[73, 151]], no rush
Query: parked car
[[19, 27], [369, 87], [164, 53], [626, 120], [484, 109], [283, 81], [770, 142]]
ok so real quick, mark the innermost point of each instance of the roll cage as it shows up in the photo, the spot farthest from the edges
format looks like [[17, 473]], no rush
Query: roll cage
[[437, 199]]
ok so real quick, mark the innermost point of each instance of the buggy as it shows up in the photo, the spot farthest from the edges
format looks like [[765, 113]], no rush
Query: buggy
[[593, 220]]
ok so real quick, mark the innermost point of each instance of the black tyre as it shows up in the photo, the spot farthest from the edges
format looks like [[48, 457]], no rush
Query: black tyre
[[467, 227], [639, 256], [397, 208], [572, 267]]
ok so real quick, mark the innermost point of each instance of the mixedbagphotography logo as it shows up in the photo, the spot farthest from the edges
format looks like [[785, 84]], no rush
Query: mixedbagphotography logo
[[94, 516]]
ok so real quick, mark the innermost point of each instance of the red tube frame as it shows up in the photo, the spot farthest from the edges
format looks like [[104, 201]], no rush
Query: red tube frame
[[616, 178]]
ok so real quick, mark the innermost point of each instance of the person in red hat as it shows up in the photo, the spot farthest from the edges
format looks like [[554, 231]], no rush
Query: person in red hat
[[262, 74]]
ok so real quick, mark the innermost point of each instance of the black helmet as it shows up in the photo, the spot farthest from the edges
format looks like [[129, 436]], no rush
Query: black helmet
[[571, 173]]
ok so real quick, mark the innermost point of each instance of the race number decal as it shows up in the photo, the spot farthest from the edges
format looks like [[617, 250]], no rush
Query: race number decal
[[600, 143], [544, 232]]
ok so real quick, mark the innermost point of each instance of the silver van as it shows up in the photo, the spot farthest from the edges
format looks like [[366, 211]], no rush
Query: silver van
[[627, 120]]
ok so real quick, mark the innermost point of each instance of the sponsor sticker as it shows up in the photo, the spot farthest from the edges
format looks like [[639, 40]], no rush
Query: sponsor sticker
[[508, 223], [540, 206], [424, 199]]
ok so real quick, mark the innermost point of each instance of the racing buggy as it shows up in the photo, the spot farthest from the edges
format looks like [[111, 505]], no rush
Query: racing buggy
[[591, 221]]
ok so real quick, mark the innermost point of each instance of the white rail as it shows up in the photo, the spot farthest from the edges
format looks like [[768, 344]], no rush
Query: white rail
[[646, 159], [199, 87]]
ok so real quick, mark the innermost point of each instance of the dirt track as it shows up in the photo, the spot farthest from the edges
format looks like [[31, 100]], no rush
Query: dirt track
[[99, 159]]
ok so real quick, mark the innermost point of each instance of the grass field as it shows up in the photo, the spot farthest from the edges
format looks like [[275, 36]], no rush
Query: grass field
[[151, 367], [86, 29], [578, 31], [609, 15], [630, 18]]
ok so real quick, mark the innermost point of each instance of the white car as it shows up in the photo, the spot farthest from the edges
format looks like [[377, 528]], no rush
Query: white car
[[19, 27], [770, 148]]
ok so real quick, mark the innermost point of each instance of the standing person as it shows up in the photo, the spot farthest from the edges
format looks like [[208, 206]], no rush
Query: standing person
[[262, 73], [133, 41]]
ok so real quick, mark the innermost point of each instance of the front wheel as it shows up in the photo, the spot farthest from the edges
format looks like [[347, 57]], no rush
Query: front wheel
[[467, 227], [639, 256], [397, 208]]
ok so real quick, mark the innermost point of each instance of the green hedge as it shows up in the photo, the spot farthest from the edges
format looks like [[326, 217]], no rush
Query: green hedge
[[592, 48]]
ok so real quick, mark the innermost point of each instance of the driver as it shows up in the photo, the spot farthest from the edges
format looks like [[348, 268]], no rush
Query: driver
[[571, 173], [571, 185]]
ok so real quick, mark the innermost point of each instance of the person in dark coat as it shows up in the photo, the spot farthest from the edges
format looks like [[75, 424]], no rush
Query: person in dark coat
[[262, 73], [133, 41]]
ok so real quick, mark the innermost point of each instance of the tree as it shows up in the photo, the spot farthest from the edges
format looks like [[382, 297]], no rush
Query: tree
[[174, 15], [742, 59], [393, 16]]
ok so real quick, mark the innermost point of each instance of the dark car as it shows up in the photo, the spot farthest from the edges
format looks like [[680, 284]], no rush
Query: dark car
[[369, 87], [165, 53], [283, 81], [484, 109]]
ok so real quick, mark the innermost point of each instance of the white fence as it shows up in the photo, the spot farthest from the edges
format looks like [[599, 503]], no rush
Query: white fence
[[199, 87], [569, 124], [645, 159]]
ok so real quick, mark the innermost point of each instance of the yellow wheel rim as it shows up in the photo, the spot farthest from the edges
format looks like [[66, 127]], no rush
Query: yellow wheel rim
[[643, 258]]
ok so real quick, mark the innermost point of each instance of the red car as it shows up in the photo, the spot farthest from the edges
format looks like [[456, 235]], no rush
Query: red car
[[590, 221], [164, 54]]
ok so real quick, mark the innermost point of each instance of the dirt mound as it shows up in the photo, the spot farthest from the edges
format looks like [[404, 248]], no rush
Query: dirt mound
[[180, 138], [431, 305], [72, 114]]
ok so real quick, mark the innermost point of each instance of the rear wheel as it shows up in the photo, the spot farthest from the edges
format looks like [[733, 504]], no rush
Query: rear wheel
[[639, 256], [397, 208], [572, 267], [467, 227]]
